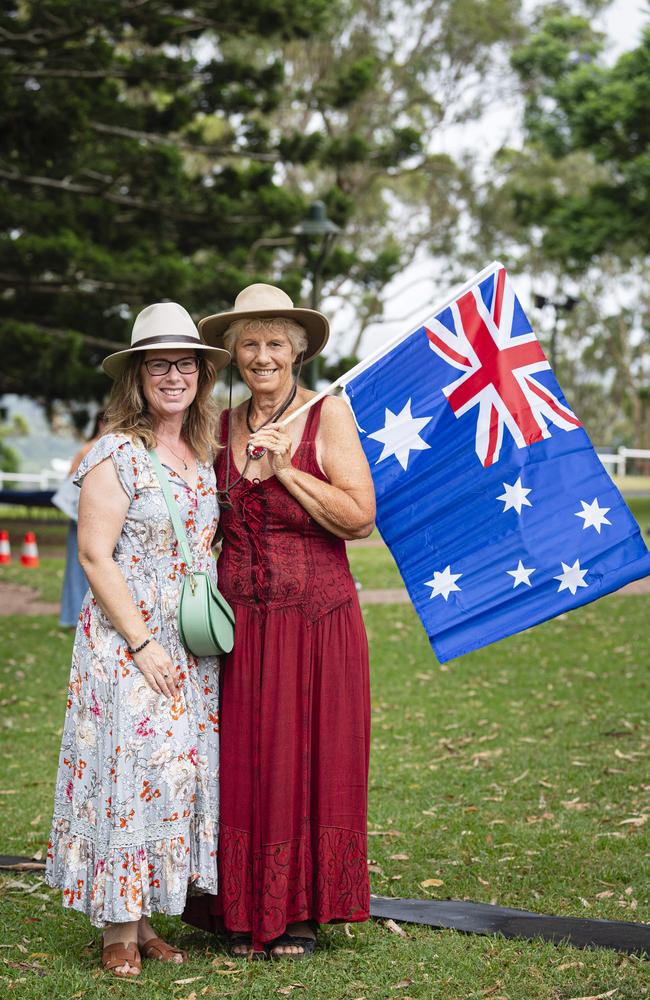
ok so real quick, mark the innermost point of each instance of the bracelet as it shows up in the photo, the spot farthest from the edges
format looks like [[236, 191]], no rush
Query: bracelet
[[141, 646]]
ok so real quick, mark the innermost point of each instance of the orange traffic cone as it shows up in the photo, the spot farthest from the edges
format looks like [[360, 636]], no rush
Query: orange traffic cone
[[29, 554], [5, 549]]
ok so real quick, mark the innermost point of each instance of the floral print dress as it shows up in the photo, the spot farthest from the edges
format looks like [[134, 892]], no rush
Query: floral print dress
[[136, 799]]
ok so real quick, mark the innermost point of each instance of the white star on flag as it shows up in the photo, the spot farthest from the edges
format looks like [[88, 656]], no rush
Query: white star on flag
[[521, 574], [515, 496], [594, 516], [571, 577], [443, 583], [400, 435]]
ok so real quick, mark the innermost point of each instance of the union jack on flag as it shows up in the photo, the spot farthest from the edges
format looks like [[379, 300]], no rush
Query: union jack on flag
[[499, 371], [532, 528]]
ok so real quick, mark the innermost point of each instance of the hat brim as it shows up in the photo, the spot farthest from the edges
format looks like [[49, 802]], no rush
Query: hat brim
[[115, 364], [317, 328]]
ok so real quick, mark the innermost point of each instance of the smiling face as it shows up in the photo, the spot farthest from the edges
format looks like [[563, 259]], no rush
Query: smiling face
[[170, 394], [264, 358]]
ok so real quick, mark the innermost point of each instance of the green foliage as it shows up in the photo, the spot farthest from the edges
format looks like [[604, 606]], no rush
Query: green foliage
[[574, 104], [112, 195], [153, 150]]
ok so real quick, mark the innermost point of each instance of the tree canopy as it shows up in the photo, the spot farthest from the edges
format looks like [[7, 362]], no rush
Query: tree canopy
[[154, 149]]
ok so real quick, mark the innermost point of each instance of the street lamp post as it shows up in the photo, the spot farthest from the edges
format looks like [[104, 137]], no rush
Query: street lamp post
[[315, 237], [565, 305]]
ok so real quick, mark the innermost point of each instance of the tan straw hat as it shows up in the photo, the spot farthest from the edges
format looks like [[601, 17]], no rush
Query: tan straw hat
[[261, 301], [164, 324]]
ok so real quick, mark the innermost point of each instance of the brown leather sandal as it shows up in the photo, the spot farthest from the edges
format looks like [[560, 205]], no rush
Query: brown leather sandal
[[118, 954], [159, 950]]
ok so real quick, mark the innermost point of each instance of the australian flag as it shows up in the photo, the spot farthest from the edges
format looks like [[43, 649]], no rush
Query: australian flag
[[490, 495]]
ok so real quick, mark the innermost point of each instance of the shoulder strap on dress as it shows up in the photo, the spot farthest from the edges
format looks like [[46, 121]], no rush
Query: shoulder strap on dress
[[313, 420]]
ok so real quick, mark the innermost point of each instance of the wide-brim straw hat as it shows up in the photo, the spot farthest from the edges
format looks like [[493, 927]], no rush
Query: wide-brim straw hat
[[262, 301], [168, 325]]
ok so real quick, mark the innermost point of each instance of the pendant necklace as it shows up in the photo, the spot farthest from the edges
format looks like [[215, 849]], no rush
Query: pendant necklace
[[256, 453], [185, 466]]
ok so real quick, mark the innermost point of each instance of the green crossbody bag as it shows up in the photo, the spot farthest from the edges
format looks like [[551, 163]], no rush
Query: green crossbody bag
[[206, 622]]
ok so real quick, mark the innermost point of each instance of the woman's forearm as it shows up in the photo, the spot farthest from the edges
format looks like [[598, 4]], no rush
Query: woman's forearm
[[333, 508], [114, 597]]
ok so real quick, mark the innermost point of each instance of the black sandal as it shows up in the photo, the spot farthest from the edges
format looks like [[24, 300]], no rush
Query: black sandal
[[308, 945], [241, 938]]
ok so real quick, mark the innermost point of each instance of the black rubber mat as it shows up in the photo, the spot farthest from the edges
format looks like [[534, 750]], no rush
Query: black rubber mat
[[14, 864], [481, 918]]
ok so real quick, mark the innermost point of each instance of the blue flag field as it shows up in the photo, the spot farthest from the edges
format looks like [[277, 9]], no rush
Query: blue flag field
[[490, 495]]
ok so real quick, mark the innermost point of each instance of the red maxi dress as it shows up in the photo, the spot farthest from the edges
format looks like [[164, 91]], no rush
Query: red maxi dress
[[295, 710]]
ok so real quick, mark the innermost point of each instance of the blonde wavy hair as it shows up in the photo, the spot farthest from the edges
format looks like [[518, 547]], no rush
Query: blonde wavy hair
[[127, 412], [294, 331]]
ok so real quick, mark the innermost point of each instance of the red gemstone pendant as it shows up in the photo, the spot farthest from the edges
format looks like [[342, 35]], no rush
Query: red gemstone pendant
[[255, 453]]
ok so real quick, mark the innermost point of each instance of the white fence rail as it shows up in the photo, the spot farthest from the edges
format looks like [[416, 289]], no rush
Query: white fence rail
[[49, 478], [620, 458], [46, 480]]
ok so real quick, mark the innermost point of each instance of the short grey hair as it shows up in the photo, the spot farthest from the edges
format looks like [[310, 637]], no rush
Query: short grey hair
[[279, 324]]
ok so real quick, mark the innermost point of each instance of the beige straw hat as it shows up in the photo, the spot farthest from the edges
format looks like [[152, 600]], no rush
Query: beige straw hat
[[164, 324], [261, 301]]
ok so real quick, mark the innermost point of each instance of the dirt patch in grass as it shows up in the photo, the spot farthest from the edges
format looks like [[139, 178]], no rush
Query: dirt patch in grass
[[19, 599]]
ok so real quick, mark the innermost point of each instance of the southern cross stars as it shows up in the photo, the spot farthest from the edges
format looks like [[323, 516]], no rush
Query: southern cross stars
[[521, 574], [571, 577], [593, 515], [515, 496], [400, 435], [443, 583]]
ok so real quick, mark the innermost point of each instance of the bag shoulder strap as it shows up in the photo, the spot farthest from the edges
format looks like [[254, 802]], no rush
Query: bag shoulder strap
[[172, 507]]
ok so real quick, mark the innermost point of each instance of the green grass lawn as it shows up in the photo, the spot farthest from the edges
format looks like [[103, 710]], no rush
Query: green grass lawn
[[517, 774], [47, 579]]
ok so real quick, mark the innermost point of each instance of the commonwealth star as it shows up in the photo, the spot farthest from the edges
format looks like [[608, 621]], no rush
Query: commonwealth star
[[400, 435]]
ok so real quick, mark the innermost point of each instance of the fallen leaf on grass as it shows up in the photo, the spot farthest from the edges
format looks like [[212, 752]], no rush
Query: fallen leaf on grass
[[395, 928], [575, 804], [520, 777], [403, 984], [637, 821], [284, 991], [384, 833], [607, 894], [186, 982], [399, 857], [348, 931], [597, 996], [540, 818], [428, 882]]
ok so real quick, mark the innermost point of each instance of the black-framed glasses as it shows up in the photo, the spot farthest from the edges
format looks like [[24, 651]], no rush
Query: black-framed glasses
[[161, 366]]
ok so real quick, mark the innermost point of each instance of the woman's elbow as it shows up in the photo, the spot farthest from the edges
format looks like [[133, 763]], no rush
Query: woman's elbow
[[89, 561]]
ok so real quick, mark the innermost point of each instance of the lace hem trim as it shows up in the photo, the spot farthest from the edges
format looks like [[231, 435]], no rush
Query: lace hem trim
[[164, 830]]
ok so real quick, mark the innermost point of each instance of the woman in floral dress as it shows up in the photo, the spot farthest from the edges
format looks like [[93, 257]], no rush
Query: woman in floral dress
[[136, 800]]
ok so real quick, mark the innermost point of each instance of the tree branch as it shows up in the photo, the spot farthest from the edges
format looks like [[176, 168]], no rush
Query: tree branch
[[70, 187], [111, 345], [162, 140]]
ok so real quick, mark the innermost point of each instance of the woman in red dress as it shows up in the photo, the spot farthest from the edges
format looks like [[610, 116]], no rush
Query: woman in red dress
[[295, 697]]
